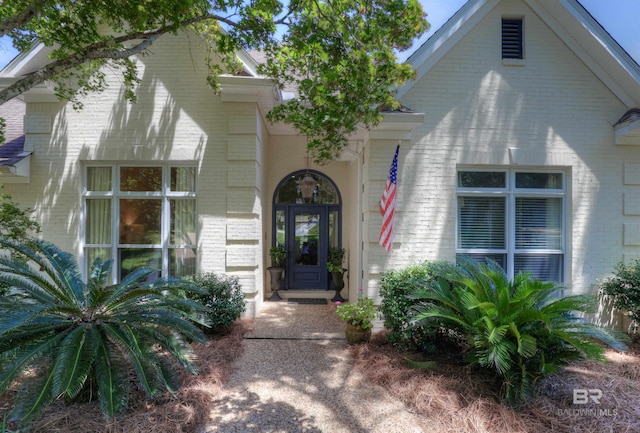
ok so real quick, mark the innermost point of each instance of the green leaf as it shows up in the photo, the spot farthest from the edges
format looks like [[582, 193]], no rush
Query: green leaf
[[112, 378], [24, 357], [422, 365], [29, 405], [74, 361], [141, 358], [496, 334]]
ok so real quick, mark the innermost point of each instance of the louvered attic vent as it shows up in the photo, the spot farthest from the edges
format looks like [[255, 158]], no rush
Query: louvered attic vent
[[512, 38]]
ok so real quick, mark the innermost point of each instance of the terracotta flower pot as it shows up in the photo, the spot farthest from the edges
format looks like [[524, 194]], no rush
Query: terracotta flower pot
[[356, 334]]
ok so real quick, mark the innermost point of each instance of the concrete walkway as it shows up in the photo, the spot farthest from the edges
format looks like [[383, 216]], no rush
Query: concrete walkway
[[296, 375]]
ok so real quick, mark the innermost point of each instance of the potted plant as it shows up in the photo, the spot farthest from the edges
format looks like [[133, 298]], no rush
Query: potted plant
[[278, 255], [334, 266], [359, 318]]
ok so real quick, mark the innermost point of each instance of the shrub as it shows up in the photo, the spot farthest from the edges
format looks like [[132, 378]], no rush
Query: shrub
[[624, 288], [223, 298], [15, 223], [522, 330], [72, 336], [395, 307]]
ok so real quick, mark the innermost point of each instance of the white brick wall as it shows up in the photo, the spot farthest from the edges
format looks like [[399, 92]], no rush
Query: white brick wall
[[176, 118], [552, 108]]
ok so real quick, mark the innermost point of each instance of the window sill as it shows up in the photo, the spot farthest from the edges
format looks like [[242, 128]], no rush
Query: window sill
[[513, 62]]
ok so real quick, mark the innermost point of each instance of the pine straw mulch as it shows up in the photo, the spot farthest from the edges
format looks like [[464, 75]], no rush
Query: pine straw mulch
[[184, 412], [454, 398], [450, 397]]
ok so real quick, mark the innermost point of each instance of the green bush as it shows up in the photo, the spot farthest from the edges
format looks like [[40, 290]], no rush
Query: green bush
[[624, 288], [16, 224], [521, 330], [223, 297], [395, 307], [76, 339]]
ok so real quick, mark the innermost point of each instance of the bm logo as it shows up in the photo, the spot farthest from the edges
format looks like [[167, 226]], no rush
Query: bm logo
[[582, 396]]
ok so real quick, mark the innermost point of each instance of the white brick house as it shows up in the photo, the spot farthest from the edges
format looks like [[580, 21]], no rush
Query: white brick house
[[512, 149]]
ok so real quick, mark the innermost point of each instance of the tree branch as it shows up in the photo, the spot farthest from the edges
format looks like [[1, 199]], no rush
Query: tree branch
[[99, 50], [52, 69], [19, 20]]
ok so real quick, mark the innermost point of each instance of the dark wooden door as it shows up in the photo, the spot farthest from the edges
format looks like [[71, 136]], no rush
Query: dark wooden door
[[308, 244]]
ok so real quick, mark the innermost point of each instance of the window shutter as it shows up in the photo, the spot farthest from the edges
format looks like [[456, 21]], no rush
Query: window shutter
[[512, 39]]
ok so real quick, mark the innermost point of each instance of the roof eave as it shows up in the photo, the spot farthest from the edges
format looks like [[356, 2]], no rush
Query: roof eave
[[627, 133], [594, 46], [397, 126], [18, 171], [27, 61], [443, 40]]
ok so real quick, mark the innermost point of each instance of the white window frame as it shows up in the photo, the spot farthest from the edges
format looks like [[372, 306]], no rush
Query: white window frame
[[510, 192], [166, 195]]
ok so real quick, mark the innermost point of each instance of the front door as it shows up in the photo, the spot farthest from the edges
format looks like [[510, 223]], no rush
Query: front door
[[308, 242], [307, 213]]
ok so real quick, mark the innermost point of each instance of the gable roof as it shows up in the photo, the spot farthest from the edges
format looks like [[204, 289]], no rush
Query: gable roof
[[568, 19]]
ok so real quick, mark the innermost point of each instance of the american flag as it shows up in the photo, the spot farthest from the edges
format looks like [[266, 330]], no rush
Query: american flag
[[388, 205]]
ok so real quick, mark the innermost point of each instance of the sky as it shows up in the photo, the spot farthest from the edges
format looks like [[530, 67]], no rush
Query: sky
[[621, 18]]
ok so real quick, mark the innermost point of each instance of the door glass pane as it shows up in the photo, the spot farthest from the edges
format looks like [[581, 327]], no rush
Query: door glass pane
[[141, 179], [306, 238], [140, 221], [481, 222], [131, 259], [306, 188], [98, 221], [333, 229], [327, 194], [280, 228]]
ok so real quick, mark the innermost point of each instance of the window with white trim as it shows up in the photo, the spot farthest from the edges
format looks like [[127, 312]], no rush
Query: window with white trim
[[515, 218], [140, 216]]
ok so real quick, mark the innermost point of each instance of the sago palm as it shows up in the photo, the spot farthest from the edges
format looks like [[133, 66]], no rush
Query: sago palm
[[522, 329], [58, 334]]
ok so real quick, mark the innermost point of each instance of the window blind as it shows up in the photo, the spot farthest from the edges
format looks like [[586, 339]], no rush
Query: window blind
[[481, 222], [538, 223]]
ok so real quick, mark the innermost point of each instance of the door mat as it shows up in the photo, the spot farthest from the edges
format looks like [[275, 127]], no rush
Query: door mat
[[308, 301]]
